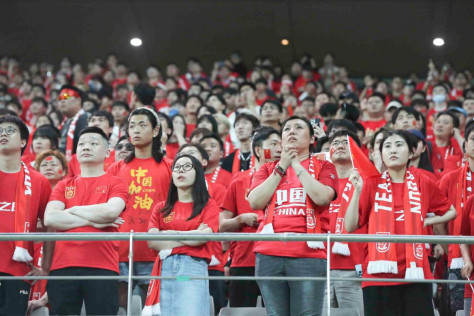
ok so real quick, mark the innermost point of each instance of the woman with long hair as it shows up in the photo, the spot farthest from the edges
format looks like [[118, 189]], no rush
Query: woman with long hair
[[189, 209], [295, 193], [399, 202]]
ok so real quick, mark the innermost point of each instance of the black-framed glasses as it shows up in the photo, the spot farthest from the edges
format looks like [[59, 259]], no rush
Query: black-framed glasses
[[186, 167], [127, 147], [8, 130]]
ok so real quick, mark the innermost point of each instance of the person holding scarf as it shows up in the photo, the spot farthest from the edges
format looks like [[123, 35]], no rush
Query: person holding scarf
[[399, 202], [295, 194], [188, 209], [23, 199], [75, 119], [457, 187]]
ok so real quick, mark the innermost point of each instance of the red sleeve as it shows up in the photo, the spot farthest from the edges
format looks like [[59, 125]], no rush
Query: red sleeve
[[230, 200], [211, 215], [328, 177], [119, 189], [219, 193], [58, 192], [73, 167], [44, 198], [261, 175], [466, 223], [438, 202], [114, 168], [155, 216]]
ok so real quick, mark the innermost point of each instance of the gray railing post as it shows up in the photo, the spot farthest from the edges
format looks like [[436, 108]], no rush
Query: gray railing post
[[328, 273], [130, 271]]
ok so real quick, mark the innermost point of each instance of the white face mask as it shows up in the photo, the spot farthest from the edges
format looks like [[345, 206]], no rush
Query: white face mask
[[439, 98]]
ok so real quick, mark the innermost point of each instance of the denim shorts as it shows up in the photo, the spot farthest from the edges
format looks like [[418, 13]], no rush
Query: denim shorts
[[184, 296], [140, 268]]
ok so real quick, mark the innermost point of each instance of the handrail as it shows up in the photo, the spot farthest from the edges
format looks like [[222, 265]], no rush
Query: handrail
[[285, 237]]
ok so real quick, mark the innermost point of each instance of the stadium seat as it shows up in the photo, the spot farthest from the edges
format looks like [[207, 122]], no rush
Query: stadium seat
[[213, 312], [345, 312], [136, 304], [42, 311], [436, 312], [259, 301], [460, 313], [243, 311]]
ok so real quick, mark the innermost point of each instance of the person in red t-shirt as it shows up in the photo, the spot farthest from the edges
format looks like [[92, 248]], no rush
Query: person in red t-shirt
[[148, 176], [297, 190], [23, 198], [90, 202], [215, 149], [191, 106], [190, 209], [346, 262], [375, 114], [217, 192], [399, 202], [238, 216], [448, 139], [105, 121]]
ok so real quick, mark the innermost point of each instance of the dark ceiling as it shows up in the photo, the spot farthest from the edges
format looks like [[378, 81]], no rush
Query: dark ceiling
[[382, 37]]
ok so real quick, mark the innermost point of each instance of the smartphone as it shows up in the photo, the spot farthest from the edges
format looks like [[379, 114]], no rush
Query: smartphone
[[315, 121]]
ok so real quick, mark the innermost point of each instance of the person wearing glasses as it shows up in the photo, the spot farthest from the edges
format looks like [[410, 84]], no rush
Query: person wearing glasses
[[189, 209], [23, 199], [148, 176], [123, 148], [75, 119]]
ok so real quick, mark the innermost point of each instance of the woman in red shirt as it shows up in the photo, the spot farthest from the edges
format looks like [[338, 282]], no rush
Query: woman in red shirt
[[190, 209], [401, 201], [295, 193]]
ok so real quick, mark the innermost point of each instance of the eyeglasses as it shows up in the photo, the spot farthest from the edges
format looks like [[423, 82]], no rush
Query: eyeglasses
[[8, 130], [186, 167], [127, 147]]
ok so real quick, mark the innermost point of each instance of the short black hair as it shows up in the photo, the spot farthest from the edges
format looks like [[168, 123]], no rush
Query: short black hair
[[345, 124], [350, 112], [35, 85], [328, 109], [94, 130], [105, 114], [406, 109], [197, 131], [145, 93], [49, 132], [199, 147], [211, 120], [120, 104], [452, 115], [443, 85], [216, 137], [40, 100], [260, 135], [406, 135], [274, 102], [345, 133], [249, 117], [421, 102], [16, 103], [207, 107], [24, 133], [379, 95], [247, 83]]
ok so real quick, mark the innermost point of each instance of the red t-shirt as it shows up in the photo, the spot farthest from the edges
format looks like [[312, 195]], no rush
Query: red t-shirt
[[373, 126], [223, 177], [74, 168], [78, 191], [217, 192], [291, 195], [148, 183], [467, 229], [172, 150], [180, 213], [235, 201], [189, 129], [41, 189], [358, 250], [433, 201]]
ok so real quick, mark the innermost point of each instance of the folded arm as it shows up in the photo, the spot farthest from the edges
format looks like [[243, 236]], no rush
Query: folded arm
[[100, 213]]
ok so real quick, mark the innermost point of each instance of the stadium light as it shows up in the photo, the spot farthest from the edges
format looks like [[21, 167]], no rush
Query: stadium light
[[438, 41], [136, 42], [285, 42]]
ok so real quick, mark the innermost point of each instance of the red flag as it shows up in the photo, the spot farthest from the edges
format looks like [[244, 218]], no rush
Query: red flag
[[360, 161]]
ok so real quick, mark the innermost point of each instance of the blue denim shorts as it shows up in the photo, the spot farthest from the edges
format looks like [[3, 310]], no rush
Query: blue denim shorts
[[184, 296], [140, 268]]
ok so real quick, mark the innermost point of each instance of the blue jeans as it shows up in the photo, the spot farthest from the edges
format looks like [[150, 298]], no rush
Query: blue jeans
[[291, 297], [187, 297]]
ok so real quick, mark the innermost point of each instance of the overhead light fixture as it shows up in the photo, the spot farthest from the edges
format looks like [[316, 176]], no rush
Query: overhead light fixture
[[285, 42], [136, 42], [438, 41]]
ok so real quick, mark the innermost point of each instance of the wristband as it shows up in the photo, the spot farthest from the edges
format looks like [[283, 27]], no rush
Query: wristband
[[279, 170]]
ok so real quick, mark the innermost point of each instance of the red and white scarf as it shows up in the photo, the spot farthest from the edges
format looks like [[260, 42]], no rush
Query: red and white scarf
[[70, 134], [342, 247], [382, 255], [215, 174], [152, 302], [313, 222], [463, 190], [22, 214]]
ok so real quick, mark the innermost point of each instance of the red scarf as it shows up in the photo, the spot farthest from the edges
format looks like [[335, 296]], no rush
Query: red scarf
[[70, 134], [342, 247], [152, 302], [313, 223], [464, 190], [236, 165], [22, 214], [383, 256]]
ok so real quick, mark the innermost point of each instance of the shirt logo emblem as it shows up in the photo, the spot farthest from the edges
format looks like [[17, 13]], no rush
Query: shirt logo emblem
[[70, 192]]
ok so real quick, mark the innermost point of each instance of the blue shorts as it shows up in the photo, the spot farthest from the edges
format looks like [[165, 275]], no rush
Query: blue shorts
[[140, 268]]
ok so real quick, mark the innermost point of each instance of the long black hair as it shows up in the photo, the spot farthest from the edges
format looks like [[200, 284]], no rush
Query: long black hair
[[156, 152], [200, 194]]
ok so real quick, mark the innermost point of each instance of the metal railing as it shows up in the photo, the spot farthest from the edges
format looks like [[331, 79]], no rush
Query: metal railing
[[282, 237]]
